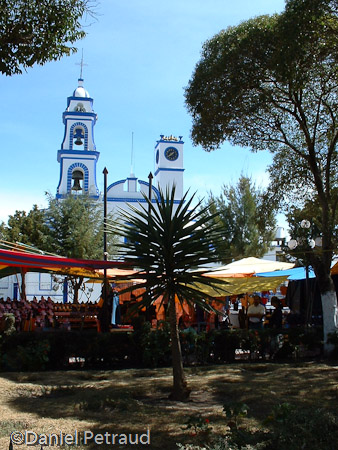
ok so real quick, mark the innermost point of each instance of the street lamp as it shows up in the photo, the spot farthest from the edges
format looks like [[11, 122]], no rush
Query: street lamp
[[104, 314], [150, 178], [312, 244]]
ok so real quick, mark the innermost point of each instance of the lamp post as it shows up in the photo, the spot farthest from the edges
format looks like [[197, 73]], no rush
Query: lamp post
[[105, 173], [150, 178], [310, 243], [105, 254]]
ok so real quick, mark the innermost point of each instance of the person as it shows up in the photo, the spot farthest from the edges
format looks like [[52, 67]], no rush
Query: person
[[255, 314], [276, 318], [116, 313], [105, 313]]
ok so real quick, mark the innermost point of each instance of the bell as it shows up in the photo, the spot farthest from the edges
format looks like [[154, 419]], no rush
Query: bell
[[77, 176], [78, 136], [76, 185]]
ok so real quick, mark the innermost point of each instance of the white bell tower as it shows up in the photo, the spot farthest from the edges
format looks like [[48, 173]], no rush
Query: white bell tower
[[78, 156], [169, 164]]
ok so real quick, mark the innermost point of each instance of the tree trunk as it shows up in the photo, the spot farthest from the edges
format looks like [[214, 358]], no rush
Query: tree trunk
[[329, 304], [322, 266], [180, 389], [23, 284], [330, 317], [76, 283]]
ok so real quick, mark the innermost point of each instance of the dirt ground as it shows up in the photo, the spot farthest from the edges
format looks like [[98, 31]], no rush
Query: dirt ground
[[135, 402]]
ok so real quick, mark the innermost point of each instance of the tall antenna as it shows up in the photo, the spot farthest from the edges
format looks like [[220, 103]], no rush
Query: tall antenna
[[132, 154], [81, 64]]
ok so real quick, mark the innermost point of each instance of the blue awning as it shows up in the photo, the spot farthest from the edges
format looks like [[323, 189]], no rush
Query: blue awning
[[297, 273]]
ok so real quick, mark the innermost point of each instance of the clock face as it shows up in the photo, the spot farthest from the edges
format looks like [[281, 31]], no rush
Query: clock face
[[171, 153]]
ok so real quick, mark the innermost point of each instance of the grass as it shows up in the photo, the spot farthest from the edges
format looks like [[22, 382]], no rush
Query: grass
[[132, 401]]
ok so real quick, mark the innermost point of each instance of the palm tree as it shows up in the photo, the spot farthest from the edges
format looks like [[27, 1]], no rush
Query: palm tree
[[167, 242]]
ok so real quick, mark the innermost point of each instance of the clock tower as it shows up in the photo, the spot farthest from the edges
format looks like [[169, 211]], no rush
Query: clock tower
[[78, 155], [169, 164]]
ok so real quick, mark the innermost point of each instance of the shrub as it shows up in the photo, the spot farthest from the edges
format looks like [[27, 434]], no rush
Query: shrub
[[154, 345], [225, 343], [146, 347], [290, 428], [7, 324], [31, 357], [294, 428]]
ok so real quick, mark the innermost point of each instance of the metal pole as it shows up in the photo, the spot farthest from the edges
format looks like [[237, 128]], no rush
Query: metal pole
[[150, 178], [105, 173], [105, 255]]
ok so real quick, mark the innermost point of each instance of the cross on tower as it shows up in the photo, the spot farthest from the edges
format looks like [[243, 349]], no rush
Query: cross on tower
[[81, 64]]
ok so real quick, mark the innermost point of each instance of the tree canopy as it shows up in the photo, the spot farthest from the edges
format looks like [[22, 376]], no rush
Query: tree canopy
[[271, 84], [75, 227], [37, 31], [27, 228], [247, 223]]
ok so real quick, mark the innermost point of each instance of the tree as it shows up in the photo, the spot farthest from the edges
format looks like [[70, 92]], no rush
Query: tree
[[27, 228], [248, 225], [271, 84], [76, 231], [38, 31], [167, 243]]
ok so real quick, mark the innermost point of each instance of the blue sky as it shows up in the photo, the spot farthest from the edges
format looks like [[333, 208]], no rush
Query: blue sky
[[140, 55]]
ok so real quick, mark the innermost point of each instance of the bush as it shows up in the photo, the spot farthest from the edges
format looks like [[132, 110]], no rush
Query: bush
[[31, 357], [153, 345], [225, 343], [146, 347], [287, 428], [295, 428], [7, 324]]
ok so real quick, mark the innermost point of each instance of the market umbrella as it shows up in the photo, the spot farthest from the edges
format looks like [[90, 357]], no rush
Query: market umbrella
[[236, 285], [248, 267], [297, 273]]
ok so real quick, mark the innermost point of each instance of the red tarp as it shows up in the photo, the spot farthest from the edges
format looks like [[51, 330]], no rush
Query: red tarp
[[11, 259]]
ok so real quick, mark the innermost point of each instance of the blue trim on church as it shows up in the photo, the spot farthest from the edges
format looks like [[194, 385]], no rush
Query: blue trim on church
[[61, 196], [77, 114], [77, 154], [129, 200], [145, 183], [79, 99], [132, 199], [161, 169], [116, 183]]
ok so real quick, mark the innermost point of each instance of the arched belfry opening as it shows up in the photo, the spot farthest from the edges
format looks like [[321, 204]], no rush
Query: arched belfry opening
[[78, 137], [79, 107], [77, 181]]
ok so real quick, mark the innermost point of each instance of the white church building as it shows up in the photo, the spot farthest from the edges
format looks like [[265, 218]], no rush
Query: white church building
[[78, 159]]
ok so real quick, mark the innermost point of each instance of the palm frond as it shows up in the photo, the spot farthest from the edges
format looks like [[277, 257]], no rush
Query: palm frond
[[168, 246]]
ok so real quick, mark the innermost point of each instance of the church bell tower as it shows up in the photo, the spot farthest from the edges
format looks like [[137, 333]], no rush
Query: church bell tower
[[78, 156], [169, 164]]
